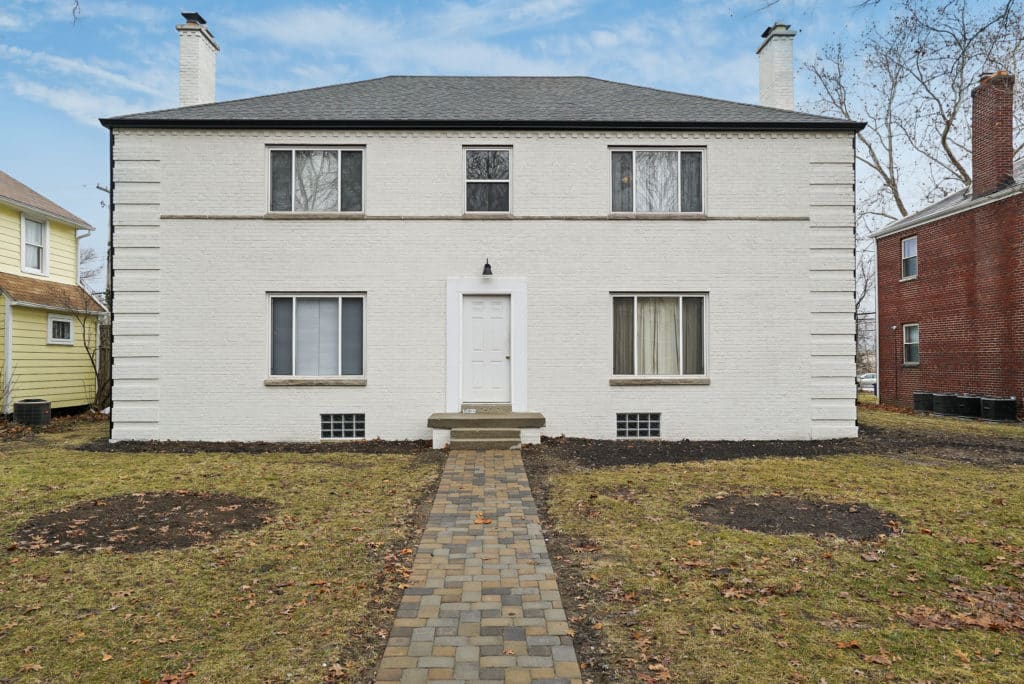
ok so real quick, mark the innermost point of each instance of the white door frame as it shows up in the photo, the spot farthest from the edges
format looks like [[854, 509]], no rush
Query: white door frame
[[515, 288]]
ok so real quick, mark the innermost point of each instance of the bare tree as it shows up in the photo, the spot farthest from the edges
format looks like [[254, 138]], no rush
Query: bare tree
[[85, 313], [90, 269], [910, 81]]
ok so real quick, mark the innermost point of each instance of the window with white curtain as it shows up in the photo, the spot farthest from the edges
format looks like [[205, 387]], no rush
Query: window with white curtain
[[657, 181], [33, 241], [316, 180], [315, 336], [658, 335]]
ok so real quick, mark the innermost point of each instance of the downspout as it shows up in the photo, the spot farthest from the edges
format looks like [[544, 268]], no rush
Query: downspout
[[110, 284], [8, 354]]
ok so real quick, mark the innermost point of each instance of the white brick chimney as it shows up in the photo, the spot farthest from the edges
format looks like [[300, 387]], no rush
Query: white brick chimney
[[776, 66], [197, 61]]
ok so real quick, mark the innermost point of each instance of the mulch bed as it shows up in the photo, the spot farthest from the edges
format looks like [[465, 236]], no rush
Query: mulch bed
[[601, 453], [789, 515], [132, 523], [369, 446]]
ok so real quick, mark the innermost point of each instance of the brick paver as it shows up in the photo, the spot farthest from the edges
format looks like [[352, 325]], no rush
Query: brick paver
[[482, 603]]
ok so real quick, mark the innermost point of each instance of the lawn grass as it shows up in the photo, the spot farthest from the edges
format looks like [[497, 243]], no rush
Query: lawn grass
[[653, 578], [281, 603], [891, 420]]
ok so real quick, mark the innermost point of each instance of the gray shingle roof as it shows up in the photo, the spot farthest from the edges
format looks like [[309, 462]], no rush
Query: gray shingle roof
[[958, 201], [570, 102]]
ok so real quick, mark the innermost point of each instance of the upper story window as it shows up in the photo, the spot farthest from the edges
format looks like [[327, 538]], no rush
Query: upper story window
[[909, 269], [316, 180], [658, 181], [658, 335], [33, 245], [911, 344], [314, 336], [487, 179]]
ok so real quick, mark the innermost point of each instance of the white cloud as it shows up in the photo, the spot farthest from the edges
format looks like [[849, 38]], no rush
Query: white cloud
[[84, 106], [65, 66]]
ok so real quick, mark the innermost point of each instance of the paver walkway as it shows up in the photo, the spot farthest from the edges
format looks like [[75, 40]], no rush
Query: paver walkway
[[482, 604]]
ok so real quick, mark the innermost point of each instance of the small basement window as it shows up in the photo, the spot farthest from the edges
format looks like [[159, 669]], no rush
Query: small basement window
[[342, 425], [638, 424]]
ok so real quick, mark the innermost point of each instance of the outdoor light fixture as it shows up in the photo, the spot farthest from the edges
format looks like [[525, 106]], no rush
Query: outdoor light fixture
[[487, 268]]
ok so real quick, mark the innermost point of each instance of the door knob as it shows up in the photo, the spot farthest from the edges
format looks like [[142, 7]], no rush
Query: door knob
[[508, 356]]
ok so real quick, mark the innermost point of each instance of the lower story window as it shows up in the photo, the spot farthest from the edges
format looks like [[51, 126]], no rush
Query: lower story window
[[342, 425], [59, 330], [658, 334], [316, 335], [638, 424], [911, 343]]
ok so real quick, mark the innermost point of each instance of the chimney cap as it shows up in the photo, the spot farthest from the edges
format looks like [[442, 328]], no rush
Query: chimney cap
[[777, 27], [194, 18]]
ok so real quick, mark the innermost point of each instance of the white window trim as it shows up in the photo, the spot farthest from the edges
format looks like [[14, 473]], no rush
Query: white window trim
[[633, 150], [682, 352], [299, 295], [903, 259], [466, 180], [50, 339], [906, 326], [44, 261], [313, 148]]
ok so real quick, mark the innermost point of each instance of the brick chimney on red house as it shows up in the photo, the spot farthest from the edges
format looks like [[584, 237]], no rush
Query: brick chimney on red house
[[992, 132]]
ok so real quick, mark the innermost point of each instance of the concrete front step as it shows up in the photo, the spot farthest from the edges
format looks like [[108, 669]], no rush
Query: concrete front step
[[485, 433], [451, 421], [483, 444]]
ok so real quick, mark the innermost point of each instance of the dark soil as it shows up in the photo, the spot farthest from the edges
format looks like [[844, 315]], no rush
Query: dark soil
[[598, 453], [368, 446], [131, 523], [788, 515]]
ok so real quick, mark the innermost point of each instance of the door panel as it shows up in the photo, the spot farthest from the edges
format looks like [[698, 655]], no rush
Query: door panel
[[486, 349]]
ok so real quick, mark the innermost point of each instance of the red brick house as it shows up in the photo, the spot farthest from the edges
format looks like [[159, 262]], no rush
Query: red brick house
[[951, 277]]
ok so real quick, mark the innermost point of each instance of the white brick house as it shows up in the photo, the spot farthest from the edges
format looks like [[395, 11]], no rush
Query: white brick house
[[309, 265]]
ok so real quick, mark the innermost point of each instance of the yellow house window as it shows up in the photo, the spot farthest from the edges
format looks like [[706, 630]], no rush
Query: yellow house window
[[33, 241], [59, 330]]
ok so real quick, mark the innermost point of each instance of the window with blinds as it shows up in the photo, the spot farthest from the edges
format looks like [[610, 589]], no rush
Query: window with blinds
[[313, 336]]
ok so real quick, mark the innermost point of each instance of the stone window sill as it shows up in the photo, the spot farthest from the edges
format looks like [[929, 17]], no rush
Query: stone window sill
[[315, 382], [641, 382], [908, 279]]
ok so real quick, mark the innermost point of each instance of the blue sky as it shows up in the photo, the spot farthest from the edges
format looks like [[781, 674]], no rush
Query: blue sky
[[59, 77]]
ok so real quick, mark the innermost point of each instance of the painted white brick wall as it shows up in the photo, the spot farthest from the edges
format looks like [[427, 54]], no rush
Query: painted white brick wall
[[195, 259], [197, 66]]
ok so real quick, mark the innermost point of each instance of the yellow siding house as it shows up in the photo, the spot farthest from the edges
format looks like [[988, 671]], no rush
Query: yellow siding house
[[48, 321]]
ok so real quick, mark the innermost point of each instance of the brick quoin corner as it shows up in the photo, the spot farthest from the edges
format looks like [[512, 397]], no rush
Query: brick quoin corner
[[968, 299]]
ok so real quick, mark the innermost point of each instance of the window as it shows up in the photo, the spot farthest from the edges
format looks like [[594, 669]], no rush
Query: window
[[658, 335], [910, 257], [316, 180], [313, 336], [487, 179], [342, 425], [59, 330], [33, 241], [638, 424], [911, 344], [657, 181]]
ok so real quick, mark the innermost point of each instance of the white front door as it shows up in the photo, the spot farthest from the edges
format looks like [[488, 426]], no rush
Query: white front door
[[486, 349]]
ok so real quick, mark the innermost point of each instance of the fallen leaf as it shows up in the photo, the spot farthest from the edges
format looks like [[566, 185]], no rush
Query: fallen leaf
[[871, 556], [107, 656], [31, 667], [880, 659], [695, 542], [847, 644], [481, 520]]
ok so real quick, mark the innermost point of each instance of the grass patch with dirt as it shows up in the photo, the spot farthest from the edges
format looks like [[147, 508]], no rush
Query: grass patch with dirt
[[657, 595], [306, 592]]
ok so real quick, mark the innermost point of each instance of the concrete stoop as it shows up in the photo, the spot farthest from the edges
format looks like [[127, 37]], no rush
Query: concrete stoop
[[485, 427]]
